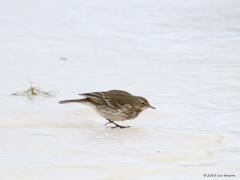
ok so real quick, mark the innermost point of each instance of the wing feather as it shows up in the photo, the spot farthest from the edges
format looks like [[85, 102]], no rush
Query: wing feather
[[97, 97], [116, 99]]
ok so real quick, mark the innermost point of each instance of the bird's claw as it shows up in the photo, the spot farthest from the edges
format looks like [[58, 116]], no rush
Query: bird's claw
[[121, 127], [118, 126]]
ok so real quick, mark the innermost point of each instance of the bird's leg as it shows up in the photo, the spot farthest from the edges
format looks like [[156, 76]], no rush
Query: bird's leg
[[116, 125]]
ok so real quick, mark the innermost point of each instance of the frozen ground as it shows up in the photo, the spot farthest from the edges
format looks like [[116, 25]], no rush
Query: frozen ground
[[182, 55]]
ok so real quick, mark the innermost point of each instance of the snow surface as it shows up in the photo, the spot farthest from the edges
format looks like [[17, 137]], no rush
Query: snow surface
[[182, 55]]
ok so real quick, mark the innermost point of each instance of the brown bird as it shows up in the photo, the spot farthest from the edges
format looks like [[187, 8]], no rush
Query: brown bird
[[114, 105]]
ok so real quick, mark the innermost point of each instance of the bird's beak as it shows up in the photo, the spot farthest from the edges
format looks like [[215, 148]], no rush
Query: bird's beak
[[152, 107]]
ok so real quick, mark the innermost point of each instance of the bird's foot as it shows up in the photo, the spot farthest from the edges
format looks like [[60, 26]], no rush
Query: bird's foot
[[116, 125], [119, 126]]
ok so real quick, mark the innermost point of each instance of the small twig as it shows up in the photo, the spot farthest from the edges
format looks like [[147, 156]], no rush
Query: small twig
[[34, 91]]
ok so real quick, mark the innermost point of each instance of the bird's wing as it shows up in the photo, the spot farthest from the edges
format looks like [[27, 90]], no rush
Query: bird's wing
[[122, 101], [115, 98], [96, 97]]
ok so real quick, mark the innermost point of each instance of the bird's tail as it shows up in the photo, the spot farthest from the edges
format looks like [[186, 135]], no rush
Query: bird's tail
[[73, 101]]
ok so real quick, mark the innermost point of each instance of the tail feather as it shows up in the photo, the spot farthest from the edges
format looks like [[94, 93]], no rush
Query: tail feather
[[73, 101]]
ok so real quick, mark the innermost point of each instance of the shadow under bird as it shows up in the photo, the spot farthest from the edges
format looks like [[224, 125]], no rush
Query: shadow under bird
[[114, 105]]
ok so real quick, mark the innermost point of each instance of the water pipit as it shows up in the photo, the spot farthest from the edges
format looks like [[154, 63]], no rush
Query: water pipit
[[114, 105]]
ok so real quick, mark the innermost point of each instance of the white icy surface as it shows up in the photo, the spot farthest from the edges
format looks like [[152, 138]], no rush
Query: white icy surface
[[182, 55]]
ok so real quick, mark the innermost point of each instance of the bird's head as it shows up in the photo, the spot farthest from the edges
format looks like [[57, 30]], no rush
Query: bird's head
[[143, 104]]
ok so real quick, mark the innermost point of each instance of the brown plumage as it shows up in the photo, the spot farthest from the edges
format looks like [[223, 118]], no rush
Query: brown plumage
[[114, 105]]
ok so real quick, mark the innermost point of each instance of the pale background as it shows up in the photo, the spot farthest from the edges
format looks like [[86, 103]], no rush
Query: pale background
[[182, 55]]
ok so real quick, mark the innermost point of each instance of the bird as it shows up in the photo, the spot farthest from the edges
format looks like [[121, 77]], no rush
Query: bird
[[114, 105]]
